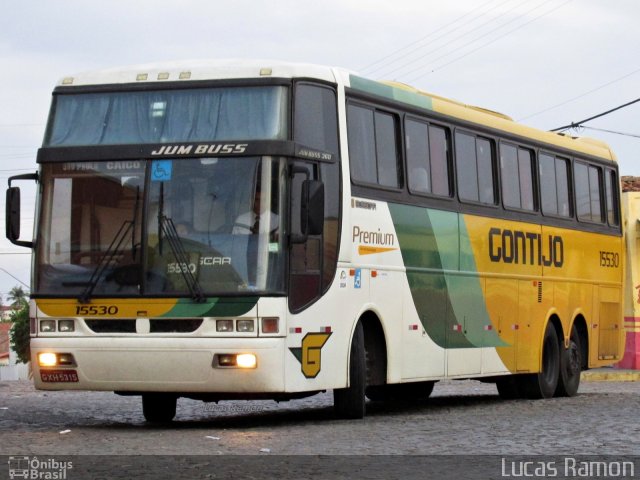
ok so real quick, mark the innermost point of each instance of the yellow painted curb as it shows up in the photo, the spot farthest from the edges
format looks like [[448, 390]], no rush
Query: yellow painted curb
[[610, 376]]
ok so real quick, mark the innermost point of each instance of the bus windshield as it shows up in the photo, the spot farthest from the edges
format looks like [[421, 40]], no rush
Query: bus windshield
[[144, 117], [210, 226]]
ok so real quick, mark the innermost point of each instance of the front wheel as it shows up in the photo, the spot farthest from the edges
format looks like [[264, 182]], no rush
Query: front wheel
[[543, 384], [570, 366], [350, 402], [159, 407]]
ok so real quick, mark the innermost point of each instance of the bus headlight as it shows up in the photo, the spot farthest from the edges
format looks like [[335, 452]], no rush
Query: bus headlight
[[246, 360], [224, 325], [66, 326], [47, 326], [47, 359], [235, 360], [244, 326]]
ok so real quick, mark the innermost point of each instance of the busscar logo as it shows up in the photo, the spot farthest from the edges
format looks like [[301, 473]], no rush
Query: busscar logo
[[201, 149]]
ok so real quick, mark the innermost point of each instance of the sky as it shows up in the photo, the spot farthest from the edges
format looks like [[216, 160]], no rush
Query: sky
[[546, 63]]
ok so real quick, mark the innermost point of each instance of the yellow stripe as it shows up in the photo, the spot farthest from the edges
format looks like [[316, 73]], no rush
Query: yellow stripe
[[117, 307], [367, 250]]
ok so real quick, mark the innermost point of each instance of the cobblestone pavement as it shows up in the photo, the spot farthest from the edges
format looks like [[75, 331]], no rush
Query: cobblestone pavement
[[463, 417]]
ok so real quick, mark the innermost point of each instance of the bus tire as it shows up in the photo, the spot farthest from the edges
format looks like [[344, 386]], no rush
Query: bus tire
[[159, 407], [544, 383], [570, 366], [350, 402]]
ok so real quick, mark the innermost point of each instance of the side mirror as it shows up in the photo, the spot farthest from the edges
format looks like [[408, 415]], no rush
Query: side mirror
[[312, 208], [12, 213]]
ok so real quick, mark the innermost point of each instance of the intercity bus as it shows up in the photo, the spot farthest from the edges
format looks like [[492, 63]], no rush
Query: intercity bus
[[259, 230]]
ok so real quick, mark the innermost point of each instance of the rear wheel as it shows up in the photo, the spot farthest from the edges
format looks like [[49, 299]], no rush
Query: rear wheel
[[350, 402], [543, 384], [570, 366], [159, 407]]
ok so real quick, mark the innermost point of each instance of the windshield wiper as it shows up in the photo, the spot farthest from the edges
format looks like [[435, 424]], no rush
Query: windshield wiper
[[168, 228], [109, 255]]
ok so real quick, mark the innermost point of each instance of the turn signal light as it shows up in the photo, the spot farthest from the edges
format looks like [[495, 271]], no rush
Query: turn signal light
[[270, 325]]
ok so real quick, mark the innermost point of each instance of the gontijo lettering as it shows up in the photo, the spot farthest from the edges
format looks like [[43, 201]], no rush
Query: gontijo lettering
[[529, 248]]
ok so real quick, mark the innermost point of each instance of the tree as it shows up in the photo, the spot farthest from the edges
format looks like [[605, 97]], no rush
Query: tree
[[17, 296], [20, 336]]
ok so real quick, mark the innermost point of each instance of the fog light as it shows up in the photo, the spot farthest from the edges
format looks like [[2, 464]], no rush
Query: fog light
[[244, 326], [66, 359], [270, 325], [224, 325], [66, 326], [47, 359], [226, 360], [47, 326], [246, 360]]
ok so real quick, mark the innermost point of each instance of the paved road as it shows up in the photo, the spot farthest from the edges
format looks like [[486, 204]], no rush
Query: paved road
[[461, 417]]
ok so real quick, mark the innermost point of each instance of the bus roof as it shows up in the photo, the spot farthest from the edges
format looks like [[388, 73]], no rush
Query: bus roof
[[194, 70]]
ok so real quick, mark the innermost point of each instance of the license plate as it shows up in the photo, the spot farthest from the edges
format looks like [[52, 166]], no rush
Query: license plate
[[59, 376]]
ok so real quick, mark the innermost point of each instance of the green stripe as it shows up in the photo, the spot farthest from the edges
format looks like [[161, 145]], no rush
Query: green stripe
[[433, 245], [392, 93], [213, 307]]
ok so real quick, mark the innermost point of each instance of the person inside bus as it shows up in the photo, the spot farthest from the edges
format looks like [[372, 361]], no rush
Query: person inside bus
[[248, 223]]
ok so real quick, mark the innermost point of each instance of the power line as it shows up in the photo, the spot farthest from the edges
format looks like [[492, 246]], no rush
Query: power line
[[368, 67], [635, 135], [450, 42], [440, 67], [580, 96], [14, 277], [575, 124]]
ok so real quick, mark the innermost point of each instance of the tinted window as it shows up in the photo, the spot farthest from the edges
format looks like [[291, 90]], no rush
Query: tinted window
[[554, 185], [418, 156], [517, 180], [474, 163], [466, 167], [484, 152], [612, 198], [525, 169], [509, 176], [588, 192], [373, 147], [316, 119], [388, 171], [562, 187], [439, 148], [427, 158], [362, 144]]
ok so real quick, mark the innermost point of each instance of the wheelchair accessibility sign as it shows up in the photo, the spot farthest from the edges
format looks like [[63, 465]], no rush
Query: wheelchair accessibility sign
[[357, 279], [161, 170]]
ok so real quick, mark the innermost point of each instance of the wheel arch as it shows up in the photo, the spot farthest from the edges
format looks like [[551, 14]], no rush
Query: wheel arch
[[583, 333], [375, 343]]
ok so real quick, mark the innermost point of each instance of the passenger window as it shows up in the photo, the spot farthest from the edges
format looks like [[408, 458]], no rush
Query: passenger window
[[588, 192], [612, 199], [475, 168], [427, 158], [554, 185], [517, 179], [373, 146]]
